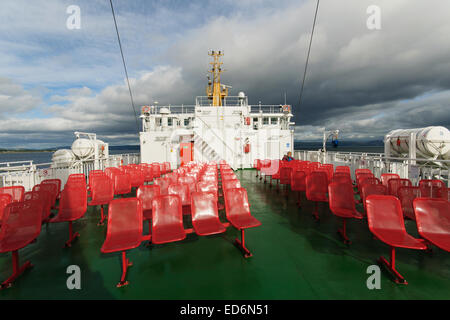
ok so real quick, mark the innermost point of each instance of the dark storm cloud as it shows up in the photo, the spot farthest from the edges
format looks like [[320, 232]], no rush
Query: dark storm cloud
[[364, 82]]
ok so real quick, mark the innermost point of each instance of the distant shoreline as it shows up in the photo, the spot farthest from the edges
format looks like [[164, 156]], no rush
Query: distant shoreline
[[25, 151]]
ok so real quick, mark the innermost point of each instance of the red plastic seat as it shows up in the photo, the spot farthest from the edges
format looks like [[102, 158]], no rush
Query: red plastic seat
[[363, 170], [167, 219], [361, 177], [431, 188], [385, 218], [122, 183], [124, 230], [21, 226], [16, 192], [94, 173], [147, 172], [46, 201], [182, 190], [342, 178], [285, 175], [56, 182], [394, 184], [385, 177], [342, 204], [298, 183], [102, 192], [163, 185], [316, 189], [167, 167], [110, 171], [370, 189], [367, 180], [5, 199], [406, 195], [72, 206], [433, 221], [444, 194], [52, 190], [206, 186], [146, 194], [238, 213], [345, 169], [136, 176], [156, 170], [205, 215], [78, 179], [230, 184]]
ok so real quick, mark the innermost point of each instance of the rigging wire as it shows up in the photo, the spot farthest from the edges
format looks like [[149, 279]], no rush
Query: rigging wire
[[124, 66], [307, 57]]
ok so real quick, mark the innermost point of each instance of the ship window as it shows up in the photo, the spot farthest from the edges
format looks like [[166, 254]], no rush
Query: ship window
[[265, 120], [169, 121], [158, 122], [255, 120], [186, 122], [273, 120]]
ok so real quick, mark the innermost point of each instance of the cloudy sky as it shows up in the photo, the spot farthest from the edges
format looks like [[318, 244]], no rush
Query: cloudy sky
[[54, 80]]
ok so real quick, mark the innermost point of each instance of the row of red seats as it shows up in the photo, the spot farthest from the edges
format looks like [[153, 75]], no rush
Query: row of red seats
[[22, 217], [165, 208], [382, 199], [152, 204]]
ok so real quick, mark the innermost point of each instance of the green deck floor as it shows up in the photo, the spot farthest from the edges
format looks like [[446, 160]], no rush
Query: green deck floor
[[294, 257]]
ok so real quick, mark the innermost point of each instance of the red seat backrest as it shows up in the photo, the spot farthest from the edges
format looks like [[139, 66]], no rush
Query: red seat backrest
[[316, 186], [385, 177], [432, 216], [384, 213], [156, 170], [46, 199], [136, 176], [76, 179], [364, 170], [5, 199], [182, 190], [298, 180], [207, 186], [445, 194], [122, 183], [51, 188], [285, 175], [125, 222], [163, 184], [73, 203], [236, 203], [21, 224], [102, 189], [372, 189], [340, 196], [406, 196], [56, 182], [394, 184], [167, 212], [204, 206], [187, 180], [146, 194], [431, 188], [369, 180], [343, 169], [16, 192]]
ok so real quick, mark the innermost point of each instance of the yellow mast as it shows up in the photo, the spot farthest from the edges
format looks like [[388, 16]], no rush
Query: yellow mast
[[215, 91]]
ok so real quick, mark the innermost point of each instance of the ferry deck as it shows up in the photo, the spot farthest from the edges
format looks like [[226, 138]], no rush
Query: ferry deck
[[294, 257]]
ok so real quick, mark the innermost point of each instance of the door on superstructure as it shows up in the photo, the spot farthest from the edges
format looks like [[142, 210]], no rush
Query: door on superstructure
[[186, 152]]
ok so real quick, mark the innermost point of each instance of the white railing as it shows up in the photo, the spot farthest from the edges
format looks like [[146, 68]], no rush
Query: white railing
[[31, 174], [413, 169]]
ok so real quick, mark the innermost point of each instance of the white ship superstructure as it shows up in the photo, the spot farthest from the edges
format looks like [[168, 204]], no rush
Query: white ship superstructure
[[217, 127]]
